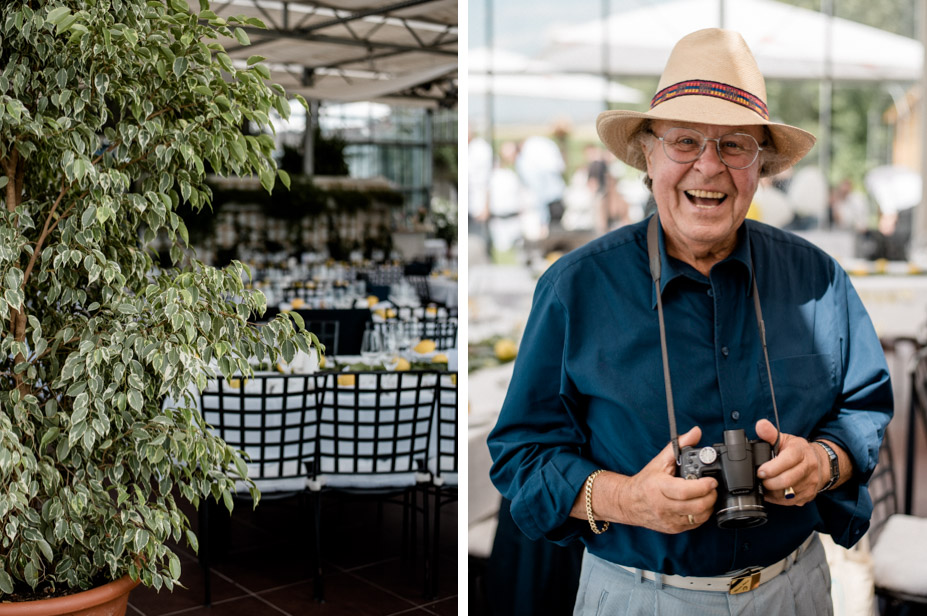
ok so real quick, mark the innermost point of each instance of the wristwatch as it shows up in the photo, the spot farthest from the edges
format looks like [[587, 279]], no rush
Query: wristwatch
[[834, 465]]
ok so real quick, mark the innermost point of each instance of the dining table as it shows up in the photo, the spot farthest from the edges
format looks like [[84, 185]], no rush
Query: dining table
[[442, 288]]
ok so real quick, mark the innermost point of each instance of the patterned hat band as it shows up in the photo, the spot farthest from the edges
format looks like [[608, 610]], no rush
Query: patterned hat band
[[712, 88]]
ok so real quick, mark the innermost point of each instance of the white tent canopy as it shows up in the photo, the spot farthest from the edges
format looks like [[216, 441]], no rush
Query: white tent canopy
[[788, 42], [504, 73], [483, 60], [554, 86], [393, 51]]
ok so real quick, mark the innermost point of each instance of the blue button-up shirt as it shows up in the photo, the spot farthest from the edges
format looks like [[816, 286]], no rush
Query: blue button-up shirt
[[588, 390]]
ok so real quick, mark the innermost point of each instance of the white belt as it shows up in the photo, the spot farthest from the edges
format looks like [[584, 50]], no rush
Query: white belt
[[734, 583]]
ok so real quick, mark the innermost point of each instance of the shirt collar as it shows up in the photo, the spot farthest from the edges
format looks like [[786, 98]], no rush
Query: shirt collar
[[673, 268]]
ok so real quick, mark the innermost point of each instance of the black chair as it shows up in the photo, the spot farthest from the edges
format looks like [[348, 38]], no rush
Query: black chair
[[328, 333], [899, 544], [442, 331], [419, 267], [383, 275], [442, 466], [271, 419], [351, 325], [350, 330], [304, 291], [380, 291], [420, 284], [373, 438]]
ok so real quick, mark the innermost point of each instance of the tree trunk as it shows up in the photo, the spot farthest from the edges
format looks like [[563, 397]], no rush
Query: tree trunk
[[15, 171]]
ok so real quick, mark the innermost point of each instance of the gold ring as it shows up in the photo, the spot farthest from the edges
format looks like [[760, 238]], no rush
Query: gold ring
[[790, 492], [691, 519]]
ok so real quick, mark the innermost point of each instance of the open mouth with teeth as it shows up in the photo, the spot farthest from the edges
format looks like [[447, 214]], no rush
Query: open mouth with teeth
[[705, 198]]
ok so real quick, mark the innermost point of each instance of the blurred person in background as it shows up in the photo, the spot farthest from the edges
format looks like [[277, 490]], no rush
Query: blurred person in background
[[592, 200], [772, 205], [613, 209], [586, 446], [849, 209], [480, 164], [808, 194], [508, 200], [540, 166]]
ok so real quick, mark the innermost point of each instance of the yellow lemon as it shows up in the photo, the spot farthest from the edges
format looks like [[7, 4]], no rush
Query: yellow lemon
[[390, 313], [440, 358], [322, 361], [346, 380], [425, 346], [372, 300], [505, 350], [403, 365], [380, 313], [431, 310], [881, 265], [297, 303]]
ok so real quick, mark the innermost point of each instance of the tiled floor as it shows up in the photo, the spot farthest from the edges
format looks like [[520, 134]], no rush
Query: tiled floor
[[266, 566]]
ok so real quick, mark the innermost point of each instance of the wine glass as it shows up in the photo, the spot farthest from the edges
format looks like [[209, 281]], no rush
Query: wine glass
[[371, 346], [407, 336], [391, 339]]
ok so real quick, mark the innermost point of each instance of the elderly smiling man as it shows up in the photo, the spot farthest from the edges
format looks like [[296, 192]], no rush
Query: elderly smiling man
[[750, 340]]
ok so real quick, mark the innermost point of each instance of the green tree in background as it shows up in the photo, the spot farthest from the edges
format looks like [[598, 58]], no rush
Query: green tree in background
[[896, 16], [110, 111], [858, 143]]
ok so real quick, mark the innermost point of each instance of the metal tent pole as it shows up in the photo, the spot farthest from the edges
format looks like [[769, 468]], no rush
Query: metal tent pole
[[919, 233]]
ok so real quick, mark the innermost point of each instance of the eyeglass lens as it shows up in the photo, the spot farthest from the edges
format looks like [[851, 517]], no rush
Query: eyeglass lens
[[685, 145]]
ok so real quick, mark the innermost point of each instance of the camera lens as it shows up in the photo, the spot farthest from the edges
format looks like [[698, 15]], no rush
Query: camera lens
[[743, 511]]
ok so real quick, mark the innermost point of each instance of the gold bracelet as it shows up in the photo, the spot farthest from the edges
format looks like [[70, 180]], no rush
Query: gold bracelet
[[589, 480]]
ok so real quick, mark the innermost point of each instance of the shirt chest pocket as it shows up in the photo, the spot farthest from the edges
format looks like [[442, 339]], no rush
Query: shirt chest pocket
[[805, 388]]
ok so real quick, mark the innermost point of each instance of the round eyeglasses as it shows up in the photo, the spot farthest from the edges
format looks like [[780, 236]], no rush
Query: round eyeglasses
[[686, 145]]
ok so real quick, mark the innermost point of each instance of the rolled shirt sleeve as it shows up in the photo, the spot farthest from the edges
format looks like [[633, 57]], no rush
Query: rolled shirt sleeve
[[541, 478], [858, 421]]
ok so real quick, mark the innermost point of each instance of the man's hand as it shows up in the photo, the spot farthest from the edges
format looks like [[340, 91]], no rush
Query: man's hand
[[655, 498], [798, 465]]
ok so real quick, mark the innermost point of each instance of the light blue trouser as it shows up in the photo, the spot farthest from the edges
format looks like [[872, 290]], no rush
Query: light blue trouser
[[605, 589]]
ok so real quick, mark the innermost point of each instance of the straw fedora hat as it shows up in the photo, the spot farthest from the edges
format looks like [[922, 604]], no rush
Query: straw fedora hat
[[711, 77]]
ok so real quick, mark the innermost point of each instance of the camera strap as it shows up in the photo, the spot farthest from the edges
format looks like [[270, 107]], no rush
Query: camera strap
[[653, 253]]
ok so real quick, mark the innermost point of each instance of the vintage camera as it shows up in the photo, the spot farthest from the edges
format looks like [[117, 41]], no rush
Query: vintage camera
[[733, 463]]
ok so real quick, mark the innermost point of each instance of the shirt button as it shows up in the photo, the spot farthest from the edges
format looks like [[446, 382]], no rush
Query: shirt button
[[735, 415], [711, 293], [725, 351]]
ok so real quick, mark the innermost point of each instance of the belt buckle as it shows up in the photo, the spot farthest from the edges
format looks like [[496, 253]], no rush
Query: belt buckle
[[745, 582]]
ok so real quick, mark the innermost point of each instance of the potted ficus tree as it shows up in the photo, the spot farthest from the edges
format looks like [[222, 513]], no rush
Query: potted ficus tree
[[108, 112]]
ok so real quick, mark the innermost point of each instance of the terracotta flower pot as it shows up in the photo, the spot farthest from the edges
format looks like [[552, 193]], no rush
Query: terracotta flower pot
[[107, 600]]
